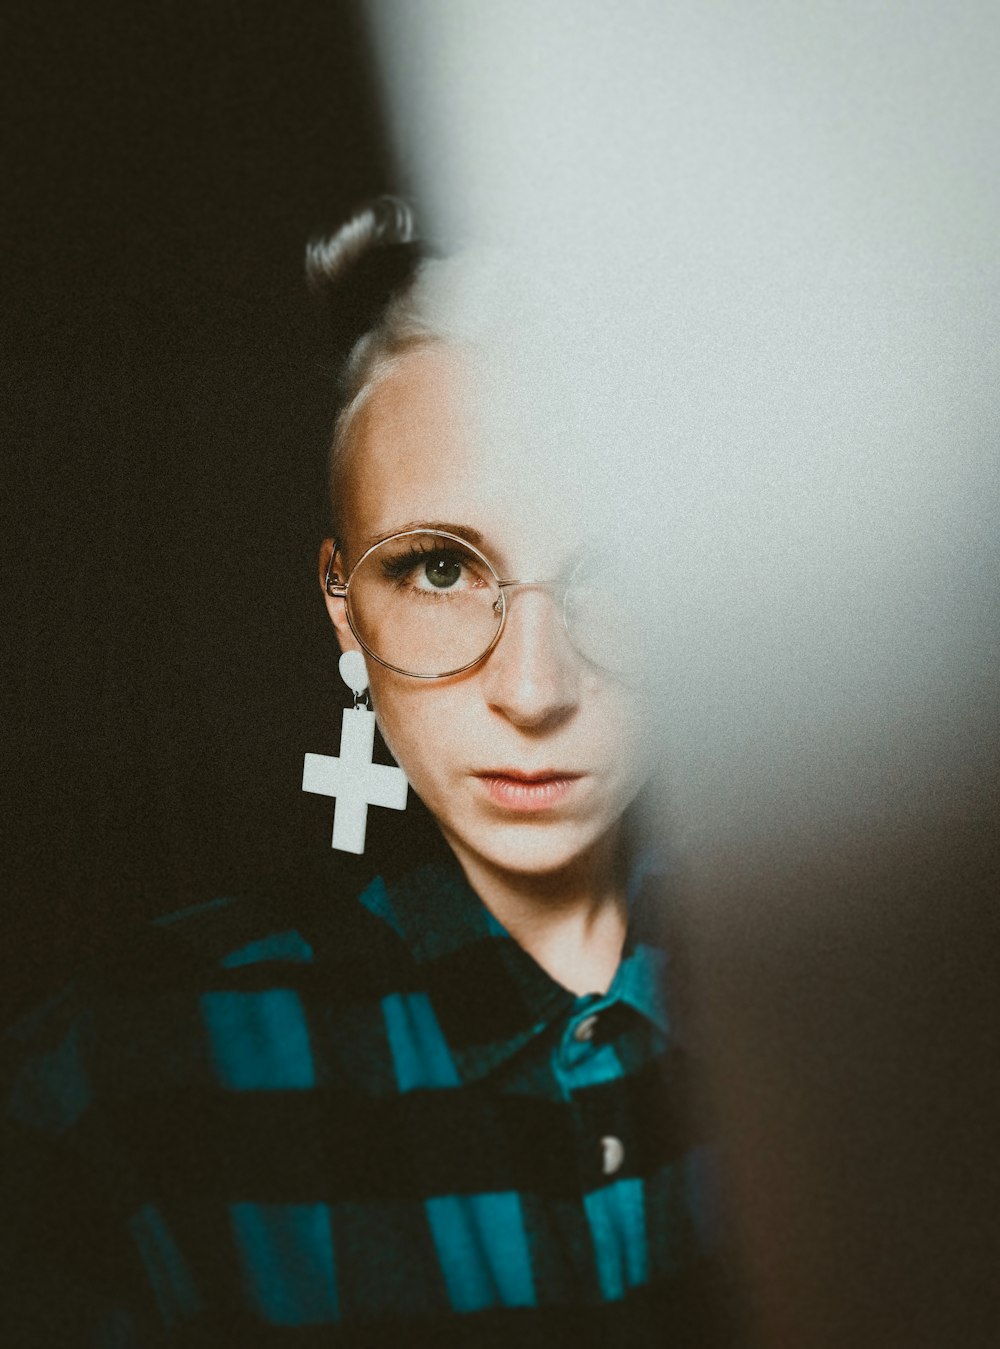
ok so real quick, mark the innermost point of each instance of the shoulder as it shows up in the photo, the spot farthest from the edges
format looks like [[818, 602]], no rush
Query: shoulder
[[171, 1002], [249, 939]]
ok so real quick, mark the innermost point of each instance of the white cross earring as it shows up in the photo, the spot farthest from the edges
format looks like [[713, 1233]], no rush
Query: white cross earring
[[352, 779]]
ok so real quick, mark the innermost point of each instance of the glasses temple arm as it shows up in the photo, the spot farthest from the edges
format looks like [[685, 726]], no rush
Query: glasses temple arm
[[330, 584]]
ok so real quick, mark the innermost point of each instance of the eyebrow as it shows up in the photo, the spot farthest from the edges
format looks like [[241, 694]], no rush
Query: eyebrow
[[429, 526]]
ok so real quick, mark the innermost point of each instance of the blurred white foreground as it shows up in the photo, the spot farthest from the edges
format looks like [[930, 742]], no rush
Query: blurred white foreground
[[748, 324]]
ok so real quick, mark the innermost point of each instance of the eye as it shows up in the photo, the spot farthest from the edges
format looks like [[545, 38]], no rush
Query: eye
[[443, 570], [425, 567]]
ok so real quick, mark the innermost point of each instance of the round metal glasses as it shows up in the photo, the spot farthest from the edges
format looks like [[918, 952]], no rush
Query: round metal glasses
[[429, 604]]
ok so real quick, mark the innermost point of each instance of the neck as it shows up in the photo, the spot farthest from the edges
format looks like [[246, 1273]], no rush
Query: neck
[[571, 921]]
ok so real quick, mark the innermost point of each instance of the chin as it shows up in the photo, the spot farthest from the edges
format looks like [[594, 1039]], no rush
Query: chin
[[530, 849]]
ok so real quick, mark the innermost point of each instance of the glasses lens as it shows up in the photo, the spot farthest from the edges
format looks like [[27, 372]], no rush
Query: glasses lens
[[425, 603], [607, 613]]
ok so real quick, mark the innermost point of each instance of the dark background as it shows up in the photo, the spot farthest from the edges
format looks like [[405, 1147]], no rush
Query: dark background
[[168, 657]]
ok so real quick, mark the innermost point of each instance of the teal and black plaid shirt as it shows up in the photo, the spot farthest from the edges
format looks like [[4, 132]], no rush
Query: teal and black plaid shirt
[[386, 1127]]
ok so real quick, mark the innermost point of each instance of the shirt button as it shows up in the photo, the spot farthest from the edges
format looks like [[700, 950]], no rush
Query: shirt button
[[584, 1030], [612, 1154]]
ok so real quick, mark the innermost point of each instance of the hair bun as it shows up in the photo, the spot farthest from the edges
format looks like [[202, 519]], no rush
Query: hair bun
[[358, 270]]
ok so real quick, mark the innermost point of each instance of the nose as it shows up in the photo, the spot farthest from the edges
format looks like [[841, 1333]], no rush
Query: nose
[[532, 675]]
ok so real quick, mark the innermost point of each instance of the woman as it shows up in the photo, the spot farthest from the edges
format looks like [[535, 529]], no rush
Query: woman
[[447, 1110]]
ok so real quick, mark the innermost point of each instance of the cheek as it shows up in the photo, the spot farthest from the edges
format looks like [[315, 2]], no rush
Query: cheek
[[625, 740], [619, 730], [415, 725]]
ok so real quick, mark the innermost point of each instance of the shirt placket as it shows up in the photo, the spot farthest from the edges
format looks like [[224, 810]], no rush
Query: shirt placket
[[591, 1078]]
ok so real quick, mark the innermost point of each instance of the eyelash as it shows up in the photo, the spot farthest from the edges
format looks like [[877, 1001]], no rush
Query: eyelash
[[398, 568]]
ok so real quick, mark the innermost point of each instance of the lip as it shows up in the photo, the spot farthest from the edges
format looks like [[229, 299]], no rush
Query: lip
[[513, 789]]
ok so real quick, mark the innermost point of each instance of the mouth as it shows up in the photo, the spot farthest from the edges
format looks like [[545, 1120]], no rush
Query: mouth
[[513, 789]]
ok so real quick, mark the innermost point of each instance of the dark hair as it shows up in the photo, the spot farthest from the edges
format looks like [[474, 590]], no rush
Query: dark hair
[[365, 275]]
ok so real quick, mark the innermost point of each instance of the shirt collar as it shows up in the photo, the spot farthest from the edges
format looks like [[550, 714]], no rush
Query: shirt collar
[[641, 977], [490, 996]]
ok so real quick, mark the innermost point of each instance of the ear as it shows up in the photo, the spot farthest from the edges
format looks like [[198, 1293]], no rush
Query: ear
[[335, 606]]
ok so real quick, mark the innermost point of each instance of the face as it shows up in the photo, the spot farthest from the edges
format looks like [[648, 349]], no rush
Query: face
[[528, 759]]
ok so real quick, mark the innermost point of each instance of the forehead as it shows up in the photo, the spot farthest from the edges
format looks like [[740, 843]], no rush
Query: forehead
[[423, 454]]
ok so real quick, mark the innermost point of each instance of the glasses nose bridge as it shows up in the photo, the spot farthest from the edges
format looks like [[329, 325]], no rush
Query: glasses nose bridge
[[556, 589], [554, 586]]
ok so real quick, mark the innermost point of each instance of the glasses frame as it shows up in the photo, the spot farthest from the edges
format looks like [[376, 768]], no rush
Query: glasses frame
[[341, 590]]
